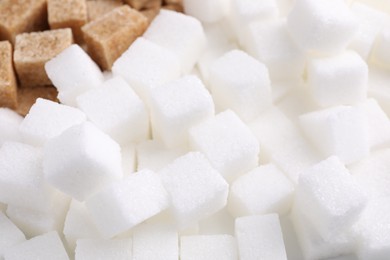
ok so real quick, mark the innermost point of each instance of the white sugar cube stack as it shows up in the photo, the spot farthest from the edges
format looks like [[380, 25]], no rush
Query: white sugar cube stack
[[240, 129]]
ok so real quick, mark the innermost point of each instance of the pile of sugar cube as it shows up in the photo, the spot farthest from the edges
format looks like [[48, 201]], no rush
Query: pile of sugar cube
[[242, 129]]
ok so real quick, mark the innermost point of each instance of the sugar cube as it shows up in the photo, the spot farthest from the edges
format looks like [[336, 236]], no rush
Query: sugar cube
[[228, 143], [96, 9], [81, 161], [241, 83], [179, 105], [260, 237], [208, 11], [195, 188], [126, 203], [117, 110], [263, 190], [73, 72], [8, 85], [91, 249]]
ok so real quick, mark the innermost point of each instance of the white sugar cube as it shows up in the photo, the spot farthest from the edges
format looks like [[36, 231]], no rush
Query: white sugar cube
[[260, 237], [263, 190], [228, 143], [372, 230], [338, 80], [81, 161], [322, 25], [155, 240], [314, 245], [378, 123], [45, 247], [10, 234], [196, 189], [48, 119], [78, 224], [9, 125], [243, 12], [381, 54], [73, 72], [180, 34], [208, 247], [241, 83], [373, 173], [33, 222], [339, 130], [92, 249], [21, 177], [127, 203], [117, 110], [332, 194], [154, 155], [208, 11], [179, 105], [146, 64], [371, 22], [270, 42]]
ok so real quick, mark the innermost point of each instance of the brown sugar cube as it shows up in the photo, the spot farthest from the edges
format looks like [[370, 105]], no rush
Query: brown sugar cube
[[33, 50], [18, 16], [68, 14], [28, 96], [8, 88], [110, 35], [144, 4], [98, 8]]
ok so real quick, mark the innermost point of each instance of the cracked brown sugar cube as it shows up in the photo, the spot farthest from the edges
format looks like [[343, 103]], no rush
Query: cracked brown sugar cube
[[18, 16], [8, 87], [110, 35], [28, 96], [33, 50], [68, 14], [98, 8]]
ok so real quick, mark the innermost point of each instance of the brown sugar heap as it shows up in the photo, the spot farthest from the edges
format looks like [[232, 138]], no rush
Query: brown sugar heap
[[110, 35], [8, 89], [33, 50]]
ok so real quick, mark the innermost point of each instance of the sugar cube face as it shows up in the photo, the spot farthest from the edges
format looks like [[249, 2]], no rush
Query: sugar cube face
[[180, 34], [339, 130], [119, 28], [9, 125], [208, 247], [241, 83], [322, 26], [10, 234], [96, 9], [260, 237], [207, 11], [372, 230], [73, 72], [380, 54], [179, 105], [8, 87], [33, 50], [227, 142], [17, 187], [263, 190], [81, 161], [371, 22], [372, 173], [44, 247], [333, 195], [338, 80], [314, 245], [196, 189], [270, 42], [117, 110], [155, 240], [90, 249], [146, 64], [48, 119], [68, 14], [126, 203], [378, 123], [78, 224]]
